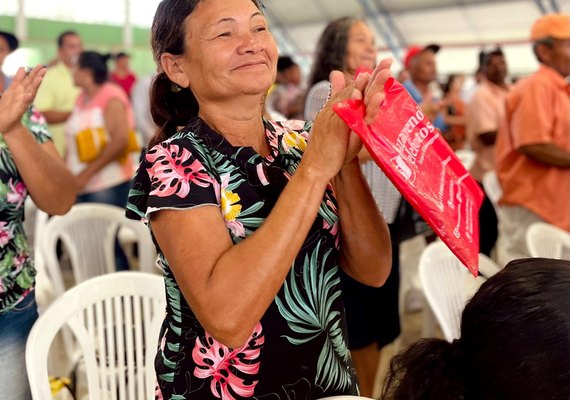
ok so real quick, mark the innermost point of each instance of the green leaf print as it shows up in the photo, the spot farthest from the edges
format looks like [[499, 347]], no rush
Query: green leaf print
[[6, 263], [25, 278], [3, 189], [307, 309], [173, 294]]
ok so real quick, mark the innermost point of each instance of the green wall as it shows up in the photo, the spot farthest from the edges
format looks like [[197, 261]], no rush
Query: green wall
[[42, 37]]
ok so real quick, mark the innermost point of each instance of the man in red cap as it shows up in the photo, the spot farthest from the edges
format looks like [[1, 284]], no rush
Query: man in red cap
[[533, 145], [420, 63]]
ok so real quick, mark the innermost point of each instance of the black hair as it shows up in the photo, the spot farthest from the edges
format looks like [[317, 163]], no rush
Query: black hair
[[284, 63], [515, 342], [498, 52], [170, 105], [331, 49], [96, 63], [446, 87], [62, 36], [120, 54]]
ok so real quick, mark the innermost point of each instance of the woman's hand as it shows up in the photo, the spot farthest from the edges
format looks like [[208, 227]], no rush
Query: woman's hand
[[327, 149], [16, 100]]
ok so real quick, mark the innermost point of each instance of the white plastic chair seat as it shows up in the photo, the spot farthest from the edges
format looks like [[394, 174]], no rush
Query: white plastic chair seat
[[546, 240], [88, 232], [467, 157], [448, 285], [112, 317], [493, 189]]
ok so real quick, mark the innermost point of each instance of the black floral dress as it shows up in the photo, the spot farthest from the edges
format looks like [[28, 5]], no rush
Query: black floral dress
[[298, 349]]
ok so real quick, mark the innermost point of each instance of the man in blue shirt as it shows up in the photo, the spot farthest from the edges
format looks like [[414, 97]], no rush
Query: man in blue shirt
[[420, 63]]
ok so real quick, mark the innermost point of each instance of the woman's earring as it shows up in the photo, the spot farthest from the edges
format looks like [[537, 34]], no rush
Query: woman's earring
[[175, 88]]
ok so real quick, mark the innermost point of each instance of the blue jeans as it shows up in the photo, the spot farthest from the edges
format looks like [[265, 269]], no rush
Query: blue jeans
[[15, 325], [116, 196]]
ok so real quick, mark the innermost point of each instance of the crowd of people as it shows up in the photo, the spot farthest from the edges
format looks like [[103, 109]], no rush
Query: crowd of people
[[277, 234]]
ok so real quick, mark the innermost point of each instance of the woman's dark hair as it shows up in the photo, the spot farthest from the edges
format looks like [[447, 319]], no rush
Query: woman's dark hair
[[331, 49], [170, 105], [96, 63], [515, 342]]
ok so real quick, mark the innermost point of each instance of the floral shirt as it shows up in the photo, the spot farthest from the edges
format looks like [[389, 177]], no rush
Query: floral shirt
[[16, 269], [298, 349]]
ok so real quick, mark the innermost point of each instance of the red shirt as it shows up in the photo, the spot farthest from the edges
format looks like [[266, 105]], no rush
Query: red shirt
[[126, 82]]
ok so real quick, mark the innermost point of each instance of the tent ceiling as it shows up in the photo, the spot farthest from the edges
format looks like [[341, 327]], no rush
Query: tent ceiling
[[462, 27]]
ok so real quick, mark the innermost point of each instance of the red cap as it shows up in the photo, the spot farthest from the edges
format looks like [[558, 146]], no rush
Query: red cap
[[413, 51]]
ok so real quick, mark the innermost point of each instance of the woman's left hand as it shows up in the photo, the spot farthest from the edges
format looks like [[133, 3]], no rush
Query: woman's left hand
[[368, 87], [18, 97]]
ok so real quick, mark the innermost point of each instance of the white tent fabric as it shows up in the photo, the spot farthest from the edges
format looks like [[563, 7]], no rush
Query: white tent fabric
[[461, 27]]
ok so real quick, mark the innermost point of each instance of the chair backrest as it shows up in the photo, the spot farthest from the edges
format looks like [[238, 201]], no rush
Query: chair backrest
[[115, 320], [448, 285], [546, 240], [34, 222], [493, 189], [88, 232], [467, 157]]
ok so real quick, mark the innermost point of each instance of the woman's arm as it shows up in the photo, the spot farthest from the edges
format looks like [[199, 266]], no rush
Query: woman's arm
[[229, 287], [116, 123], [366, 251], [47, 178]]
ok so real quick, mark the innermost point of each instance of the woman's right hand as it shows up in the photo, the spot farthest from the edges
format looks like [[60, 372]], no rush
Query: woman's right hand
[[328, 143], [16, 100]]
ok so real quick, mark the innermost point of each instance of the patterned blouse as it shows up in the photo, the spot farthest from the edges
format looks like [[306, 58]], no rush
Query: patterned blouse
[[16, 269], [298, 349]]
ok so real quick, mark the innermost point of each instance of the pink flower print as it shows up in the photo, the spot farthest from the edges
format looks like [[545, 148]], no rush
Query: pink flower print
[[158, 392], [172, 172], [17, 193], [5, 234], [37, 117], [232, 371]]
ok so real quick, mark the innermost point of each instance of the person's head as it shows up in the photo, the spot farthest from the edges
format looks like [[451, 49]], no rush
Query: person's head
[[346, 44], [208, 51], [8, 43], [403, 75], [122, 60], [69, 45], [454, 84], [288, 71], [420, 62], [550, 35], [515, 342], [91, 69], [494, 66]]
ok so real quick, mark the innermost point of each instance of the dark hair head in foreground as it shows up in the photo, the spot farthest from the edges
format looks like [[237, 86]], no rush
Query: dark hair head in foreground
[[515, 342]]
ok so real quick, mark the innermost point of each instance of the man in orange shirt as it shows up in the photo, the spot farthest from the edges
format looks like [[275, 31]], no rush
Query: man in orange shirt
[[533, 145]]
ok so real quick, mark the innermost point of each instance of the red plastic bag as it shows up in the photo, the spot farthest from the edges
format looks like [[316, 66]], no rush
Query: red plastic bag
[[420, 163]]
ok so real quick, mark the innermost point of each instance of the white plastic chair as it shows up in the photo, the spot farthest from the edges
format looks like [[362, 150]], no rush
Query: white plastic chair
[[448, 285], [114, 317], [34, 222], [546, 240], [467, 157], [493, 189], [88, 232]]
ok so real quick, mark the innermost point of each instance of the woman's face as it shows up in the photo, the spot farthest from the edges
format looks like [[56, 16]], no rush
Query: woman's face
[[229, 50], [360, 49]]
